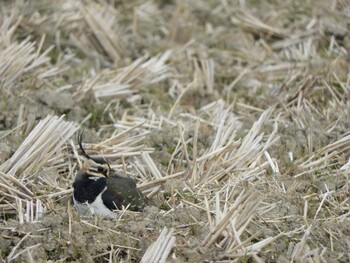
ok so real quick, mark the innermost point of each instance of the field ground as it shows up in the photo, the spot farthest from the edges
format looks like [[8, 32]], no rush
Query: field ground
[[232, 116]]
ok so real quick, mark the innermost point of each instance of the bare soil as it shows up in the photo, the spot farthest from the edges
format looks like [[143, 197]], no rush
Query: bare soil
[[233, 118]]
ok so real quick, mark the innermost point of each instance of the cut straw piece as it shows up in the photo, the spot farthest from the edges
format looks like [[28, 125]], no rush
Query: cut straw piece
[[255, 25], [142, 72], [18, 59], [105, 35], [153, 170], [160, 250], [10, 257], [120, 135], [17, 183], [159, 181], [39, 146], [151, 165], [301, 248], [14, 192], [221, 225]]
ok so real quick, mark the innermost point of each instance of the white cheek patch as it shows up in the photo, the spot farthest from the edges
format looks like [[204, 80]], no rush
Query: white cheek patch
[[95, 178]]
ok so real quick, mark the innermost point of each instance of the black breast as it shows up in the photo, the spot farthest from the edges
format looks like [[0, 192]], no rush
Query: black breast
[[88, 188]]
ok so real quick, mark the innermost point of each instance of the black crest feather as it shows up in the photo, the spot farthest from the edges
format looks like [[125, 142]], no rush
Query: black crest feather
[[99, 160]]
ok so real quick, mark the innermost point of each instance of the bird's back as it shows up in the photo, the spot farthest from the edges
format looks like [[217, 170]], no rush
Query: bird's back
[[123, 192]]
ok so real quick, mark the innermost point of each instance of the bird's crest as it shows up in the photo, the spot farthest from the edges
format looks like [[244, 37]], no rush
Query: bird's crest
[[96, 166]]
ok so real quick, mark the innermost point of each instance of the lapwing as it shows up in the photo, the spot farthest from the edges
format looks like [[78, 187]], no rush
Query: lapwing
[[98, 190]]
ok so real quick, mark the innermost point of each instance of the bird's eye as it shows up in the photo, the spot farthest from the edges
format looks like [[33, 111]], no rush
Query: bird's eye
[[101, 170]]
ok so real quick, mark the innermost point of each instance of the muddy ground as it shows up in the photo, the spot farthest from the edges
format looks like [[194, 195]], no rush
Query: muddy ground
[[247, 101]]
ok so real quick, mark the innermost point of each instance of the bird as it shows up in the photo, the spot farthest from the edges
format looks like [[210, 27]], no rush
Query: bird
[[99, 190]]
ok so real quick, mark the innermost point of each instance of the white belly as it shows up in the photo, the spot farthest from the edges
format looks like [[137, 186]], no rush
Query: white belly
[[95, 208]]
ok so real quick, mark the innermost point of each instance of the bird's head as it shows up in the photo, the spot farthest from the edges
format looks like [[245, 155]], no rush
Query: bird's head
[[94, 166], [91, 168]]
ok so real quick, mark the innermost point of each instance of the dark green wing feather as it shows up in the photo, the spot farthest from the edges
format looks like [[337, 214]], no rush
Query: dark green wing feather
[[122, 191]]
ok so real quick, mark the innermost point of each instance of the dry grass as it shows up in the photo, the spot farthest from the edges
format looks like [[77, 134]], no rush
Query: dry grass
[[232, 116]]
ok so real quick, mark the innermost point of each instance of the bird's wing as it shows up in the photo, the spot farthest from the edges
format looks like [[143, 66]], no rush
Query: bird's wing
[[112, 198], [122, 191]]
